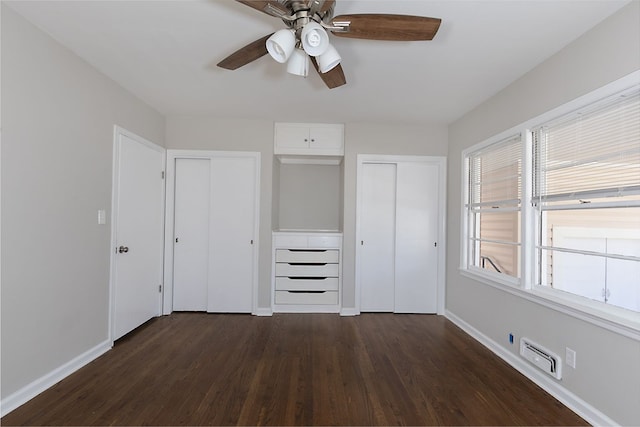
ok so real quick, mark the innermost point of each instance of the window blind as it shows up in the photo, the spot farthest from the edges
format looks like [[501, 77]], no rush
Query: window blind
[[593, 152], [495, 175]]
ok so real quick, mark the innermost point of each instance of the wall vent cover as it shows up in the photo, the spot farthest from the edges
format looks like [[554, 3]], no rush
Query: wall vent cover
[[542, 358]]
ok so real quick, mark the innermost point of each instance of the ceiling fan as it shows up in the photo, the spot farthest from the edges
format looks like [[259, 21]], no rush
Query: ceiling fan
[[306, 40]]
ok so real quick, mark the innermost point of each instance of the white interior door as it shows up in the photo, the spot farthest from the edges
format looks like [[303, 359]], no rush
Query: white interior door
[[138, 232], [232, 222], [416, 260], [191, 234], [377, 237]]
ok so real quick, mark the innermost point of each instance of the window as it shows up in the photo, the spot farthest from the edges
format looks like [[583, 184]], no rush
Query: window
[[493, 207], [586, 192], [554, 208]]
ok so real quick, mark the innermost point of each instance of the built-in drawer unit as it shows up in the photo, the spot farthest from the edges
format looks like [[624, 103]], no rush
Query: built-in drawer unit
[[306, 272]]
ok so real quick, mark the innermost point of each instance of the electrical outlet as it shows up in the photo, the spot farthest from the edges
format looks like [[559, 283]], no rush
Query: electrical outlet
[[570, 357]]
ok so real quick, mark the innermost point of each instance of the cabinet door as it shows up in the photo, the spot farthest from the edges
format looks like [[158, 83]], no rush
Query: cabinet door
[[330, 137], [291, 138]]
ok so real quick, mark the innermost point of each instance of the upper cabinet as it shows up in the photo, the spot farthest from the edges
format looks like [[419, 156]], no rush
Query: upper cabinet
[[309, 139]]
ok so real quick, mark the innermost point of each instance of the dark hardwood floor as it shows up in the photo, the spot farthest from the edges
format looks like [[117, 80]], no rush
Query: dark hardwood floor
[[295, 369]]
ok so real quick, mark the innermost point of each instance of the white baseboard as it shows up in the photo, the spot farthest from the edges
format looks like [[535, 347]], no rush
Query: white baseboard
[[349, 311], [303, 308], [592, 415], [36, 387], [263, 312]]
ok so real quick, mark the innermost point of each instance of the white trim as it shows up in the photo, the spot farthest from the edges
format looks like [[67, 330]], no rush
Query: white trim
[[306, 308], [591, 414], [172, 155], [36, 387], [441, 162], [264, 311], [115, 185], [309, 160], [349, 311]]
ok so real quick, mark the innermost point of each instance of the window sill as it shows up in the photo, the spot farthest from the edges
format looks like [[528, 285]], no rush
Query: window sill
[[618, 320]]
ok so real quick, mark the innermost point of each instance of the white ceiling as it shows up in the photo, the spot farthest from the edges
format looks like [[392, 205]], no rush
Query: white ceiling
[[165, 53]]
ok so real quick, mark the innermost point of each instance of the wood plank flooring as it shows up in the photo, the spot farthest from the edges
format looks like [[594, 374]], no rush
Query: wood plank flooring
[[295, 369]]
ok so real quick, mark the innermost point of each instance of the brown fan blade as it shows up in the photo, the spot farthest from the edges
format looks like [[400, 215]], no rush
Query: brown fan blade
[[333, 78], [272, 8], [243, 56], [387, 27]]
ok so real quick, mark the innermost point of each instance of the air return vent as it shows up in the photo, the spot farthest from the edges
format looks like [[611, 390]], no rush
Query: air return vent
[[542, 358]]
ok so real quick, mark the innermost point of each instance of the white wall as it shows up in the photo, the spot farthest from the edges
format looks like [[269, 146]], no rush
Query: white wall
[[58, 115], [207, 133], [310, 197], [607, 376]]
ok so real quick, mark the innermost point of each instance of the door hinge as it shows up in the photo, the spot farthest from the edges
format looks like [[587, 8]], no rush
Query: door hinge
[[160, 288], [162, 175]]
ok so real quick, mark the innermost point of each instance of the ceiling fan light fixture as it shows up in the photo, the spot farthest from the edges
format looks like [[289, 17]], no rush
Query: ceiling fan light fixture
[[329, 59], [315, 39], [281, 44], [298, 63]]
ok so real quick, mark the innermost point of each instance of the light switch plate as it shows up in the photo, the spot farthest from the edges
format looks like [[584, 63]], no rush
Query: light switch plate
[[102, 217]]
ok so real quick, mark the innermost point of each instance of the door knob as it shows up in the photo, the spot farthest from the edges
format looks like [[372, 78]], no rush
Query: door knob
[[123, 249]]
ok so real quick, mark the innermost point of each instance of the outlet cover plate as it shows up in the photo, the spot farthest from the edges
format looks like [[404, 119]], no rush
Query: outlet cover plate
[[570, 357]]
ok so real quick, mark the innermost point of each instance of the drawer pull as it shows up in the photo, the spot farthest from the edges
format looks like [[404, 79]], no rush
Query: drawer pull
[[307, 263], [306, 278], [306, 292], [307, 250]]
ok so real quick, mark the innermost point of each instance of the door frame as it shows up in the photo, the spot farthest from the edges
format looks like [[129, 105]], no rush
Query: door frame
[[115, 186], [172, 156], [441, 163]]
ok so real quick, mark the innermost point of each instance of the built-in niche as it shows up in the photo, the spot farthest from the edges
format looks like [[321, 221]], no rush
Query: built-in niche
[[308, 195]]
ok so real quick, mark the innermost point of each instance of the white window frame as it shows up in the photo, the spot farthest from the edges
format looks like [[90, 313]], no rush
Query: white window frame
[[502, 278], [622, 321]]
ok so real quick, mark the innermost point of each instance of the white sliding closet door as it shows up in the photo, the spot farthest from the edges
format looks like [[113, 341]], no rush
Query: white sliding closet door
[[215, 222], [398, 226], [377, 236], [191, 242], [233, 206], [416, 285]]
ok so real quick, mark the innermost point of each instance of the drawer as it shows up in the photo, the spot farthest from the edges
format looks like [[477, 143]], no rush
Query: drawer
[[289, 284], [288, 240], [325, 241], [288, 297], [306, 270], [307, 256]]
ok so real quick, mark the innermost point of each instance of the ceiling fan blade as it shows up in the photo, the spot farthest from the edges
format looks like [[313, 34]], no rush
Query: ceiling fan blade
[[243, 56], [272, 8], [333, 78], [386, 27]]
